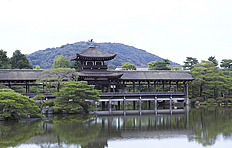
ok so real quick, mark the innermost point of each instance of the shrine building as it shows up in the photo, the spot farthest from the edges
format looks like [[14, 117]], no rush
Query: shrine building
[[121, 86]]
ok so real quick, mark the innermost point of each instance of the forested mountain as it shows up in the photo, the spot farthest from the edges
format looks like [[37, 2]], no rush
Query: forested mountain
[[125, 53]]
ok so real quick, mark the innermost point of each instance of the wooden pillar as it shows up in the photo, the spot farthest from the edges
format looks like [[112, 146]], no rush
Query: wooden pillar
[[28, 87], [124, 104], [109, 87], [133, 86], [140, 103], [109, 105], [118, 105], [148, 104], [103, 105], [123, 86], [177, 86], [171, 104], [139, 86], [9, 84], [102, 88], [133, 105], [163, 85], [155, 104], [148, 86], [184, 88], [46, 88], [154, 86], [170, 86]]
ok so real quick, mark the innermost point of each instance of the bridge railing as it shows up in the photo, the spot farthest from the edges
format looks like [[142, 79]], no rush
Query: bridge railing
[[115, 93], [141, 93]]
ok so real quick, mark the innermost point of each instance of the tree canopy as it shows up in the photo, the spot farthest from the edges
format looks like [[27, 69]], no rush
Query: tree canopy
[[37, 67], [189, 63], [159, 65], [55, 77], [75, 64], [20, 61], [213, 59], [4, 60], [110, 67], [61, 62], [210, 79], [15, 105], [76, 96], [128, 66], [226, 63]]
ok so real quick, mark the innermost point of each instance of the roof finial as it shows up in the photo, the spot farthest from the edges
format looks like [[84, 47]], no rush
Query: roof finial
[[91, 41]]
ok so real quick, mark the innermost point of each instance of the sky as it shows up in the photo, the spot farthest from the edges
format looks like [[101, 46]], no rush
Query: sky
[[171, 29]]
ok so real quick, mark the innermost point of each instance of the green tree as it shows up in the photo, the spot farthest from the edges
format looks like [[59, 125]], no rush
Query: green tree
[[213, 59], [75, 64], [159, 65], [210, 79], [61, 62], [128, 66], [20, 61], [37, 67], [189, 63], [15, 105], [226, 63], [111, 67], [4, 60], [76, 96], [54, 77]]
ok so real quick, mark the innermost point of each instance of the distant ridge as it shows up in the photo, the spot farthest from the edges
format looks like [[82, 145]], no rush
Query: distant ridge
[[125, 53]]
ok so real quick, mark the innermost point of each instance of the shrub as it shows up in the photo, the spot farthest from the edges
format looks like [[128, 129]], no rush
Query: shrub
[[211, 100], [199, 99]]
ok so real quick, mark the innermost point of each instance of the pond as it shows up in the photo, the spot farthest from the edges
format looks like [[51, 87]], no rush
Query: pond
[[196, 127]]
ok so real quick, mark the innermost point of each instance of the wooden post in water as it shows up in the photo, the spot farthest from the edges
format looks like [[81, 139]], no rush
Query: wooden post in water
[[171, 104], [124, 104], [109, 106], [155, 104], [140, 104]]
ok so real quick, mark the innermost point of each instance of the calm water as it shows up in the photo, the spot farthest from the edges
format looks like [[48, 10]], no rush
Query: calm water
[[195, 127]]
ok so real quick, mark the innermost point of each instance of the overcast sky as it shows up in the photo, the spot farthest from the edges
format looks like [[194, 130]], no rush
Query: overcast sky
[[172, 29]]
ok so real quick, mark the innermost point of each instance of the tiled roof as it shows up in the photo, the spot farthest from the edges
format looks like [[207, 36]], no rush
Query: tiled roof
[[20, 75], [93, 52], [155, 75], [32, 75]]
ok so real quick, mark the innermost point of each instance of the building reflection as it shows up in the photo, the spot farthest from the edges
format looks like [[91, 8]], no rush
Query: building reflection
[[97, 131]]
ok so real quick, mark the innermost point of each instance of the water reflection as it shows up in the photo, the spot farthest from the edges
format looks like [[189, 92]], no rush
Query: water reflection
[[203, 125], [14, 133], [208, 123]]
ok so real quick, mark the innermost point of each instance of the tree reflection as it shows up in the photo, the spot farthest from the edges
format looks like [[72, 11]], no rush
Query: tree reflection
[[15, 133], [75, 129], [208, 123]]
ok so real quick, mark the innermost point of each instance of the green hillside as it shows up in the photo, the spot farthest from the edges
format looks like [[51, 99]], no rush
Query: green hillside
[[125, 53]]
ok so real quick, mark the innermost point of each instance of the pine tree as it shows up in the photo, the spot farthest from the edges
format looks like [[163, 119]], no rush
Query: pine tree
[[76, 96]]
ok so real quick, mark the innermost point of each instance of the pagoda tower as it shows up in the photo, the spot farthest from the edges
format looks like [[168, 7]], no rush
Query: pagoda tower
[[93, 69]]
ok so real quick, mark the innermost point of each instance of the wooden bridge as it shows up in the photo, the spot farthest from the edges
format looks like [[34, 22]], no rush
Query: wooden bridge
[[115, 96]]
